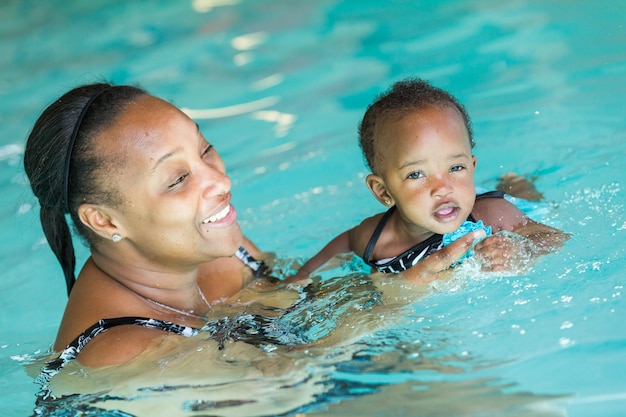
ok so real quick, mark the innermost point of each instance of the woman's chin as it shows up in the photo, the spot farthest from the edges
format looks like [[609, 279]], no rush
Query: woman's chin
[[229, 245]]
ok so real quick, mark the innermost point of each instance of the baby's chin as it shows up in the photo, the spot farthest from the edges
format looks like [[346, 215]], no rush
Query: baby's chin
[[451, 227]]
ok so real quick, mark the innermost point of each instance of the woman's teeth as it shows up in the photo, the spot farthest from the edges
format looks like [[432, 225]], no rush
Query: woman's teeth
[[218, 216]]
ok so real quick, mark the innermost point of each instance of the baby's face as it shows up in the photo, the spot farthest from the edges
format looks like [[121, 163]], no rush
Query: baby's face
[[428, 168]]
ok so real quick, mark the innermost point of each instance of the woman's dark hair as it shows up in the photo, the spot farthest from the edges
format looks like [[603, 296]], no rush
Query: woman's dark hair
[[68, 127], [402, 98]]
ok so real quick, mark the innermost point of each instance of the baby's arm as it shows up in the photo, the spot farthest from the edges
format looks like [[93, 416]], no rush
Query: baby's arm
[[340, 244], [519, 186], [352, 240]]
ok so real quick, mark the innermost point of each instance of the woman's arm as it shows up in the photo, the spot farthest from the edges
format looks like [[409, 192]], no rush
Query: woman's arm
[[500, 214], [544, 238], [526, 240], [437, 265]]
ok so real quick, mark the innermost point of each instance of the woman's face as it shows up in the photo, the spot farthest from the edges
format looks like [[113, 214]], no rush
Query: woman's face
[[176, 197]]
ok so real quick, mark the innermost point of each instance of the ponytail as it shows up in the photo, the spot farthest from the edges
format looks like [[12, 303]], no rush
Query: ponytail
[[63, 169], [59, 238]]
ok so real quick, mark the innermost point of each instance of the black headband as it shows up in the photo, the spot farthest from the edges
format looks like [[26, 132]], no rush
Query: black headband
[[70, 148]]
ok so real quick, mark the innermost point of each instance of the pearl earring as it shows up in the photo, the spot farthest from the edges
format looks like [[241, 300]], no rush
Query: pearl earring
[[116, 238], [387, 201]]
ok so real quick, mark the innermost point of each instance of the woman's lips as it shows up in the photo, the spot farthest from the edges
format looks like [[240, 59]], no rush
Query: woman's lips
[[225, 215]]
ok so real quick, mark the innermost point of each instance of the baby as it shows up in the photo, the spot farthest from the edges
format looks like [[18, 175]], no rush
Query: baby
[[417, 140]]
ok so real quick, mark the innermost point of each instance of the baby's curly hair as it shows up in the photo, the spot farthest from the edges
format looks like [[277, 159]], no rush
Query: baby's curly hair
[[402, 98]]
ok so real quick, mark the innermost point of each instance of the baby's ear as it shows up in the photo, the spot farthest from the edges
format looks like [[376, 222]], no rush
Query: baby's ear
[[377, 186]]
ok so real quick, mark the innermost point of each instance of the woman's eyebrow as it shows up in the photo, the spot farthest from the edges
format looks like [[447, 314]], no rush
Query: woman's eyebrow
[[165, 157], [175, 150]]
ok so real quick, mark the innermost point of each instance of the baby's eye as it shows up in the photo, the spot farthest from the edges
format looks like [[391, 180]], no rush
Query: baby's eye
[[456, 168], [178, 181], [415, 175]]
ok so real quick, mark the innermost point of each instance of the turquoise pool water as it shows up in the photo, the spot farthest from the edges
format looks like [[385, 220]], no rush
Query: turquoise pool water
[[279, 87]]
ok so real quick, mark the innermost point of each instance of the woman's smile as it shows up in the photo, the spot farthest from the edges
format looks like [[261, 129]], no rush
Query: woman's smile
[[225, 217]]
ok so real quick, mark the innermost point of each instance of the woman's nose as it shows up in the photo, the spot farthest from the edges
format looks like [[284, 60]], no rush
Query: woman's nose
[[215, 182]]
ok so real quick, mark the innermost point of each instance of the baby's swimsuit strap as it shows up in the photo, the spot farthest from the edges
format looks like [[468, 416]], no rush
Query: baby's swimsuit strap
[[405, 260], [415, 254], [491, 194], [367, 255]]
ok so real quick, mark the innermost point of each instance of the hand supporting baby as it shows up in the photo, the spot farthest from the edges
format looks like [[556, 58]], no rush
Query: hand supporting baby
[[504, 251], [438, 264]]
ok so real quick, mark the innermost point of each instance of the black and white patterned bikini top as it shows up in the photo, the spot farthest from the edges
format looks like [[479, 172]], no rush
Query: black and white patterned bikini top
[[258, 267], [415, 254], [221, 330]]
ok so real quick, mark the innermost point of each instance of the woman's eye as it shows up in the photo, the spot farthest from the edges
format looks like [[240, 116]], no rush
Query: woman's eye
[[178, 181], [207, 150], [415, 175]]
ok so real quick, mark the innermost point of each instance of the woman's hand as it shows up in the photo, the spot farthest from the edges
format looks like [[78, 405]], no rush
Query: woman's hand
[[505, 251], [519, 186]]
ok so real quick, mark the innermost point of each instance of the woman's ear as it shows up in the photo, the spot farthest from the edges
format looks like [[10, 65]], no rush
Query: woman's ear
[[99, 220], [377, 186]]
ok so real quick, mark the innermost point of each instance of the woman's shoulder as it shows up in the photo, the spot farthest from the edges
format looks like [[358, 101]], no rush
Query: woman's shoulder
[[104, 335], [119, 345], [102, 316]]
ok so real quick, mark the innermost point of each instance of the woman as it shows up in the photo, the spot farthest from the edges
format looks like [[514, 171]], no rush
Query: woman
[[151, 198]]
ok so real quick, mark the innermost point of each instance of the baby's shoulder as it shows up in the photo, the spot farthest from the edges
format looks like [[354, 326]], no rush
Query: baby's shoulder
[[361, 234], [491, 204], [498, 213]]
